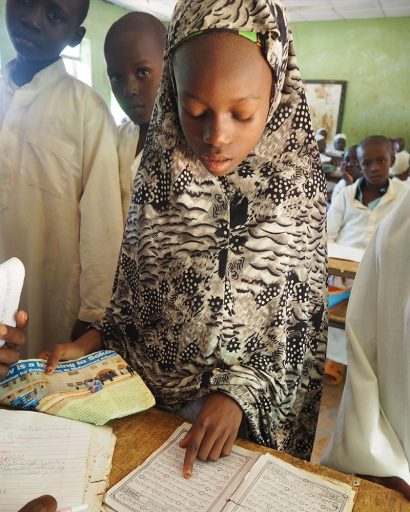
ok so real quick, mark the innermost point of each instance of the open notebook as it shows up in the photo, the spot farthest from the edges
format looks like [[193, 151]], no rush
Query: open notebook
[[244, 481], [42, 454]]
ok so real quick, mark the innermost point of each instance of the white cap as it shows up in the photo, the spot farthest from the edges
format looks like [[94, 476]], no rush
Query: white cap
[[401, 164], [340, 136]]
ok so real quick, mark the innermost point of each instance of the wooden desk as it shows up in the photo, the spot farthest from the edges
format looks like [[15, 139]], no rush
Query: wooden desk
[[342, 268], [337, 315], [140, 435]]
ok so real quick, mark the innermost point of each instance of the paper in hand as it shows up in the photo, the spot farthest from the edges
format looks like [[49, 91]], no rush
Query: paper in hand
[[11, 284]]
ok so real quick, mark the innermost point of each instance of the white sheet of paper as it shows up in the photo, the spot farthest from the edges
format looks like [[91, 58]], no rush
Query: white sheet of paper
[[158, 484], [273, 485], [11, 283], [342, 252], [41, 454]]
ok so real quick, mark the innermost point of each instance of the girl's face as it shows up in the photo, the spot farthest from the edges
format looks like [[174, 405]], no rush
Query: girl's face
[[224, 87]]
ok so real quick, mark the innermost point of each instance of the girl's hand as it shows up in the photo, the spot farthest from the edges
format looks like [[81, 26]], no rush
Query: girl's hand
[[391, 482], [214, 431], [41, 504], [90, 342], [14, 338]]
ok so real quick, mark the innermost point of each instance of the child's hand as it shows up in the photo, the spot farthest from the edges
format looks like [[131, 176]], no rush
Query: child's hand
[[90, 342], [345, 170], [392, 482], [214, 431], [41, 504], [14, 337]]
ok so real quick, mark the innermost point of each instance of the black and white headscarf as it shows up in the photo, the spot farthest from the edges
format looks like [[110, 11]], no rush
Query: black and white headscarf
[[221, 283]]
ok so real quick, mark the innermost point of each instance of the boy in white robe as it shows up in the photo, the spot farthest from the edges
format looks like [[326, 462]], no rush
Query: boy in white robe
[[358, 209], [373, 428], [60, 203], [134, 48]]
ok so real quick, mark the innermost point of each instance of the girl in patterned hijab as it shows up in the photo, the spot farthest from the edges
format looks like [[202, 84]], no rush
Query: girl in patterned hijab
[[221, 284]]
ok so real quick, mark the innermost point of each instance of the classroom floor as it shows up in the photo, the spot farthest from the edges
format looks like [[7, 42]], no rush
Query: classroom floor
[[327, 418]]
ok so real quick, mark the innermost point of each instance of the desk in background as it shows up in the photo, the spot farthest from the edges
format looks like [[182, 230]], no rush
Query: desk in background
[[141, 434]]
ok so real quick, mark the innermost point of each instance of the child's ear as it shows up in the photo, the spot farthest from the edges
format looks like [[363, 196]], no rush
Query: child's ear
[[78, 37], [393, 159]]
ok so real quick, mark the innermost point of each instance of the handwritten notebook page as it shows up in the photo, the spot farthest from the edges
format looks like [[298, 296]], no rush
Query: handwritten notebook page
[[41, 454], [273, 485], [158, 484]]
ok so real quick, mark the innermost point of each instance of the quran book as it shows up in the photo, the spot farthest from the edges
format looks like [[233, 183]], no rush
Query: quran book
[[244, 481]]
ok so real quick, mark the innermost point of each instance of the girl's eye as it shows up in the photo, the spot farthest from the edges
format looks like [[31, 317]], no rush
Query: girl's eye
[[244, 119], [143, 72]]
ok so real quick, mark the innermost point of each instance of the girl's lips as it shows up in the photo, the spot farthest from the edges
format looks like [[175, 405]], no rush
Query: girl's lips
[[216, 165]]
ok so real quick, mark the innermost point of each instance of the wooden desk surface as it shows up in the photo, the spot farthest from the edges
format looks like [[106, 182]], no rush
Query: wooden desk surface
[[141, 434], [337, 315], [342, 268]]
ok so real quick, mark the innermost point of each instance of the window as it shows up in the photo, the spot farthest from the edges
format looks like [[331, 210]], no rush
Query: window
[[78, 61]]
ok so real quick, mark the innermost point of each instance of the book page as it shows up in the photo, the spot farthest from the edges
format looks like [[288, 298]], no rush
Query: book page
[[158, 484], [273, 485], [41, 454]]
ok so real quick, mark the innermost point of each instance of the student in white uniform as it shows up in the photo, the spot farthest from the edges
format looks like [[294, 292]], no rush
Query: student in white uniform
[[350, 170], [134, 53], [60, 202], [400, 168], [373, 428], [356, 212]]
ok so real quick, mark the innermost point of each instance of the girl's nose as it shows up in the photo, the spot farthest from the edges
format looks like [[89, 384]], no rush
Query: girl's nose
[[217, 132]]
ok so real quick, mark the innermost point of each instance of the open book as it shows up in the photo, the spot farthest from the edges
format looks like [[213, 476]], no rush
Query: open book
[[41, 454], [244, 481], [95, 388]]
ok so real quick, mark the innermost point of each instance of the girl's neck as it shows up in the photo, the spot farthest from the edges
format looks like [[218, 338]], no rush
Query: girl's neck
[[142, 138], [24, 70]]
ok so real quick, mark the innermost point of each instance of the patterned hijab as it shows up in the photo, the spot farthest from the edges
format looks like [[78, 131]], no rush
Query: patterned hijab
[[221, 282]]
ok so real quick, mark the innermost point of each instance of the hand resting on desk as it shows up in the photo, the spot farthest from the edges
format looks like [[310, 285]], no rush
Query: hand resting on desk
[[14, 337], [214, 431]]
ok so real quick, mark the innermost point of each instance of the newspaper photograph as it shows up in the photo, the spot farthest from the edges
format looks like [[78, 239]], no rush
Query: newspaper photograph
[[96, 388]]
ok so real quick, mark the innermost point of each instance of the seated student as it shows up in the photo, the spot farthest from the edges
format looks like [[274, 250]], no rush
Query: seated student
[[60, 201], [358, 209], [214, 304], [134, 53], [372, 434], [400, 168], [339, 142], [350, 171]]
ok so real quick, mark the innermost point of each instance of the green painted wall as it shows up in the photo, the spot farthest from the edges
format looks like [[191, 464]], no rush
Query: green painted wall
[[374, 57], [100, 17]]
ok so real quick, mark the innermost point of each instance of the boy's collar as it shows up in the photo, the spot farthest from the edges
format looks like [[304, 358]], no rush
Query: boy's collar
[[42, 78]]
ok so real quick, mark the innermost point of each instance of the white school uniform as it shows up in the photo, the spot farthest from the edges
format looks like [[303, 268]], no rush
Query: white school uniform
[[372, 435], [60, 202], [128, 136], [351, 223]]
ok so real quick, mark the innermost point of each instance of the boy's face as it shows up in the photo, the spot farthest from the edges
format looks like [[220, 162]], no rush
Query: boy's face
[[224, 89], [375, 159], [339, 144], [353, 165], [41, 29], [134, 65]]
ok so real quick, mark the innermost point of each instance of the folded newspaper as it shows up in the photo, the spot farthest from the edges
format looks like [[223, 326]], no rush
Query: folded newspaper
[[95, 388]]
